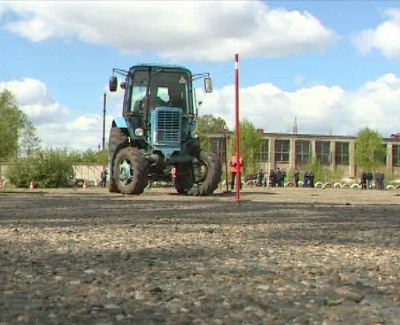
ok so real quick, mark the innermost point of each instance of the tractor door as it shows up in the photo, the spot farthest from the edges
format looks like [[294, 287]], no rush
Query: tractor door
[[135, 99]]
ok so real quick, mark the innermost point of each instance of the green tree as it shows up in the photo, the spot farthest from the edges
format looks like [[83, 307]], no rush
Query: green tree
[[76, 156], [90, 156], [369, 151], [207, 124], [250, 143], [46, 168], [102, 157], [29, 141], [17, 133]]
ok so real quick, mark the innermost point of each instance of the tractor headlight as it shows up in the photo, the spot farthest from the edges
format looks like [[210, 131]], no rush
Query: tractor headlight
[[193, 134], [139, 132]]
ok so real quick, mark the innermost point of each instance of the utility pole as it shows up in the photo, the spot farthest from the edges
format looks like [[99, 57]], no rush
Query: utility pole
[[226, 158], [104, 121], [295, 125], [238, 174]]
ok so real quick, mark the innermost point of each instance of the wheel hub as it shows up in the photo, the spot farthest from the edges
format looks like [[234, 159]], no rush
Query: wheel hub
[[125, 169]]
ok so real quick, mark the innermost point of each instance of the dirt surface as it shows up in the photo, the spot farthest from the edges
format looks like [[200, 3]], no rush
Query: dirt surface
[[275, 256]]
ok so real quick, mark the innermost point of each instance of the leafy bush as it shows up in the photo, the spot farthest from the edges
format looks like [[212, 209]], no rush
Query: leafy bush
[[323, 173], [46, 168], [90, 156]]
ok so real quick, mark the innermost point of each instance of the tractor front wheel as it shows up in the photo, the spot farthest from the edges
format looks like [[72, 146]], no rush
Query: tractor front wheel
[[130, 171], [117, 136], [207, 174]]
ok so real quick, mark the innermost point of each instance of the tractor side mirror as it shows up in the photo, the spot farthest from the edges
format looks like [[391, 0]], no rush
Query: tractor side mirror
[[113, 83], [207, 85]]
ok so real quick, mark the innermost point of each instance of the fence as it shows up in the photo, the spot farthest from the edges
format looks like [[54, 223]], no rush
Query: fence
[[90, 173]]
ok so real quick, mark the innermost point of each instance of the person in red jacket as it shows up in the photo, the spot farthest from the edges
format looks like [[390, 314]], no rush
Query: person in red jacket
[[173, 173], [236, 168]]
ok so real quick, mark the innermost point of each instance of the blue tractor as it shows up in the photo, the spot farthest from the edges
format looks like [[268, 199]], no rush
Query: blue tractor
[[157, 131]]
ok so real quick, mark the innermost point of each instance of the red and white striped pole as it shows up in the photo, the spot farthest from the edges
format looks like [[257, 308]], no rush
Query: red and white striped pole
[[238, 180]]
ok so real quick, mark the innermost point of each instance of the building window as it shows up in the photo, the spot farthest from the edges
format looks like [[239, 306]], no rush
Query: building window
[[262, 155], [323, 152], [396, 155], [342, 153], [303, 151], [217, 147], [282, 149]]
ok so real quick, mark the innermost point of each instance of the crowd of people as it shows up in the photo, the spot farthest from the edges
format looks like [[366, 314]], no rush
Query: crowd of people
[[368, 180], [277, 178]]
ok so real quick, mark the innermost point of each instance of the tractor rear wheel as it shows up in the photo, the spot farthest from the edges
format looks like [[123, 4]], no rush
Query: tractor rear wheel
[[208, 171], [130, 171], [116, 138]]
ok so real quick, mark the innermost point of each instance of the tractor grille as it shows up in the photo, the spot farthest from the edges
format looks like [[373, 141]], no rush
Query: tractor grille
[[168, 126]]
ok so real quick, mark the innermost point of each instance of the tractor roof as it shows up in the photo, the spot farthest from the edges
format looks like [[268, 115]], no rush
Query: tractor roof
[[161, 66]]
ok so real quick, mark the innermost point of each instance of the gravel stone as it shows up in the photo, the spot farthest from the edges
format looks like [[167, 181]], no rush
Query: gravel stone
[[276, 256]]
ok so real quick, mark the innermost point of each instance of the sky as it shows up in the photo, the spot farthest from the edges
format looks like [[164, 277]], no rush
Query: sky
[[330, 67]]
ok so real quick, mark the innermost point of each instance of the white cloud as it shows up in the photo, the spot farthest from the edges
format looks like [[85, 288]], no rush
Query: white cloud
[[319, 109], [84, 132], [385, 37], [35, 101], [2, 8], [179, 30], [51, 118]]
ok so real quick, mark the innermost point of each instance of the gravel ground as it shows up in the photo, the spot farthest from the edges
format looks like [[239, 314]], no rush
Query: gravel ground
[[275, 256]]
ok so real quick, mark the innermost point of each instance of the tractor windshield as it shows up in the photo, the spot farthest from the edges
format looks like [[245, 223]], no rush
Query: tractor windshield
[[169, 88], [157, 88]]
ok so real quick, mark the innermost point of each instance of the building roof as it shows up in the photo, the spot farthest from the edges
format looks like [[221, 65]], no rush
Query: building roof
[[305, 136]]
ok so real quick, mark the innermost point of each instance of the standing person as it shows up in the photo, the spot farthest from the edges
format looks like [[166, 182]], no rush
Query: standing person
[[260, 177], [283, 178], [236, 168], [296, 178], [279, 177], [363, 180], [381, 179], [173, 174], [272, 178], [376, 180], [311, 180], [306, 179], [103, 176], [370, 179]]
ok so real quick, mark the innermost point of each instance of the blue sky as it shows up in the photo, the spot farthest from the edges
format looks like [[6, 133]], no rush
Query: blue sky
[[332, 65]]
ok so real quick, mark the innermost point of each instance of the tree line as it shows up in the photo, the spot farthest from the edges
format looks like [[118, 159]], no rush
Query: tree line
[[52, 167], [28, 161]]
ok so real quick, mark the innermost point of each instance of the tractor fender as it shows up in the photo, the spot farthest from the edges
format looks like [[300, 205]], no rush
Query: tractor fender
[[120, 122], [119, 147]]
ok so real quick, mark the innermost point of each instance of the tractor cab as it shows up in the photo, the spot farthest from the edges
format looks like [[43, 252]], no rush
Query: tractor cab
[[148, 87]]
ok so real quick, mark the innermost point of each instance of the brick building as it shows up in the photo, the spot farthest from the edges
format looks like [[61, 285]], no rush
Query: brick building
[[291, 151]]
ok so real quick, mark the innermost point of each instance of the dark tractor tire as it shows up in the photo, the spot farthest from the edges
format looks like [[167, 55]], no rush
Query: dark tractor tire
[[208, 171], [184, 180], [130, 171], [116, 138]]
